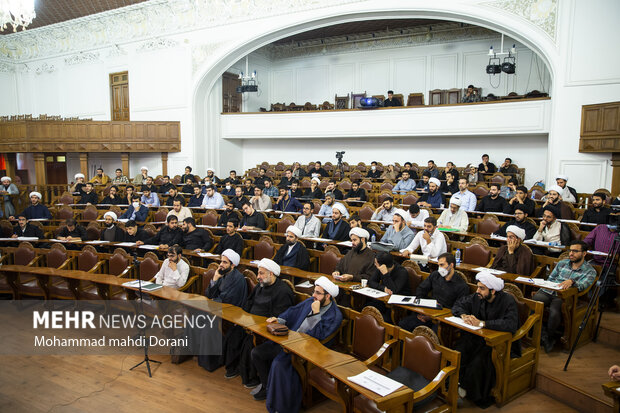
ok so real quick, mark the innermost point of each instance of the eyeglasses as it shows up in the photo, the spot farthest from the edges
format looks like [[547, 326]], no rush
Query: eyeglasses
[[575, 251], [317, 292]]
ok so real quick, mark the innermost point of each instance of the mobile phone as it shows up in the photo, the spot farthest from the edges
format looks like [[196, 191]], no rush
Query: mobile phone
[[406, 299]]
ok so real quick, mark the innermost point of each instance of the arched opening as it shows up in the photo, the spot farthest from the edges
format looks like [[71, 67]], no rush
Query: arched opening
[[207, 96]]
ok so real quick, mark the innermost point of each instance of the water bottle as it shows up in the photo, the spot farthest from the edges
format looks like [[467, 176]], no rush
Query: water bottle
[[457, 256], [373, 238]]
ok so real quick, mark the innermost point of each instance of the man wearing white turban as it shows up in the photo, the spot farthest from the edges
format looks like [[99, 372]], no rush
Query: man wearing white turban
[[7, 189], [398, 234], [489, 307], [293, 253], [359, 262], [36, 210], [454, 216], [141, 177], [554, 198], [80, 182], [271, 296], [228, 284], [317, 316], [434, 198], [337, 228], [111, 232], [568, 193], [514, 257]]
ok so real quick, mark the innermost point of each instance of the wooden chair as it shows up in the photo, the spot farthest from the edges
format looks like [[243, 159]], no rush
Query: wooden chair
[[93, 230], [341, 102], [149, 266], [436, 97], [384, 195], [453, 96], [264, 248], [88, 261], [481, 190], [119, 264], [326, 106], [386, 186], [355, 99], [380, 98], [160, 215], [66, 198], [415, 99], [210, 218], [488, 225], [476, 254], [410, 198], [6, 228], [423, 356], [366, 211], [329, 259], [65, 212], [25, 284], [498, 178], [284, 223], [90, 213]]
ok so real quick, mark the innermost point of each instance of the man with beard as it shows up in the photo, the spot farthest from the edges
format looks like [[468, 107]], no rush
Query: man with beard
[[450, 186], [270, 296], [398, 234], [100, 178], [212, 199], [260, 201], [79, 183], [487, 167], [328, 205], [35, 210], [293, 253], [239, 199], [168, 235], [259, 181], [228, 286], [520, 221], [6, 190], [314, 192], [319, 317], [597, 213], [514, 257], [509, 191], [450, 168], [232, 178], [129, 195], [444, 285], [552, 230], [140, 179], [24, 229], [385, 212], [72, 231], [287, 180], [232, 240], [422, 185], [195, 200], [181, 212], [359, 262], [89, 197], [111, 232], [166, 185], [431, 241], [568, 193], [196, 239], [331, 187], [229, 212], [119, 178], [174, 271], [113, 198], [296, 191], [317, 171], [134, 233], [432, 169], [433, 198], [417, 215], [252, 219], [356, 193], [454, 216], [468, 198], [211, 175], [572, 272], [492, 202], [269, 189], [309, 225], [520, 200], [404, 185], [248, 190], [149, 197], [173, 195], [489, 307], [287, 204], [150, 185], [356, 222], [406, 167], [554, 198], [389, 277], [337, 229]]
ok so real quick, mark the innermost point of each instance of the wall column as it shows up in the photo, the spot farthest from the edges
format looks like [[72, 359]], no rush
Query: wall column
[[84, 164], [164, 163], [125, 164], [39, 168], [11, 164], [615, 174]]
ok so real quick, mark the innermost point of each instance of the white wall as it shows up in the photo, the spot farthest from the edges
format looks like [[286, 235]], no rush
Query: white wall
[[415, 69]]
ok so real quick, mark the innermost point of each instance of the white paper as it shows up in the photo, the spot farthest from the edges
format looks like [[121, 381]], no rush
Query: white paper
[[317, 239], [376, 382], [346, 244], [460, 322], [497, 237], [410, 300], [305, 284], [58, 240], [539, 282], [418, 257], [149, 247], [126, 244], [207, 254], [491, 270], [604, 254], [38, 219], [371, 292], [96, 242]]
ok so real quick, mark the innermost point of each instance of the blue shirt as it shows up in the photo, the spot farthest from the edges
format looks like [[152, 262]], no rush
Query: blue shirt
[[468, 200], [271, 191], [214, 202], [404, 186], [152, 199]]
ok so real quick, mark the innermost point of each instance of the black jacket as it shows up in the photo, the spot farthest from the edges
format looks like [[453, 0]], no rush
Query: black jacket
[[197, 239], [166, 236], [234, 242], [302, 258], [90, 198], [29, 231], [488, 204], [140, 235], [342, 234], [117, 200], [119, 234], [396, 280], [166, 187], [178, 197], [270, 300]]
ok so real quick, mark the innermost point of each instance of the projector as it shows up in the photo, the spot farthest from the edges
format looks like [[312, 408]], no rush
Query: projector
[[247, 88], [369, 103]]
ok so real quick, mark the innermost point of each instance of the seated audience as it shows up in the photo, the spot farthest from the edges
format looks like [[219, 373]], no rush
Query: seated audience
[[417, 215], [287, 180], [228, 285], [514, 257], [149, 198], [520, 199], [293, 253], [212, 199], [571, 272], [373, 172], [309, 225], [150, 185], [119, 178], [211, 175], [100, 178], [232, 179], [471, 95], [398, 234], [79, 183], [188, 188], [269, 189], [520, 221], [134, 233], [298, 173], [6, 190], [450, 168], [600, 239], [356, 193], [432, 169], [507, 168], [195, 201], [113, 197], [317, 171], [72, 231], [296, 191], [597, 212], [179, 211], [239, 199], [331, 187], [337, 228], [468, 198], [89, 196], [431, 241], [388, 277], [314, 192], [286, 203], [174, 270], [391, 101], [485, 166], [169, 234], [510, 190], [454, 216], [173, 195], [112, 232], [356, 222], [140, 179], [227, 214], [136, 210], [551, 230], [195, 239], [474, 175], [129, 195], [328, 205], [404, 185], [443, 285], [433, 198], [568, 193], [554, 198], [166, 185], [228, 190], [248, 189], [36, 210], [389, 173], [259, 181], [252, 219], [260, 201], [450, 186], [385, 212]]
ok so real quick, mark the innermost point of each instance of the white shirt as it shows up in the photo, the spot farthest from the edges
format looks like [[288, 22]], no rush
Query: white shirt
[[436, 247], [182, 214], [419, 220], [311, 229], [174, 279], [458, 220]]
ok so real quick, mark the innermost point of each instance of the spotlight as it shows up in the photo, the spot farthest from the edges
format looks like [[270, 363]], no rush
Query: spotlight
[[509, 66], [493, 68]]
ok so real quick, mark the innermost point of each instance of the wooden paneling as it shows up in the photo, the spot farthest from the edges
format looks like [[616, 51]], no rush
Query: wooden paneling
[[231, 100], [89, 136], [600, 128], [119, 96]]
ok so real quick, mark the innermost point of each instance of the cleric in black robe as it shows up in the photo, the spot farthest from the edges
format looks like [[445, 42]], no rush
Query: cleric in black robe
[[112, 232], [489, 307], [89, 196], [36, 210], [293, 253], [270, 296], [389, 277], [25, 229], [337, 229], [231, 240]]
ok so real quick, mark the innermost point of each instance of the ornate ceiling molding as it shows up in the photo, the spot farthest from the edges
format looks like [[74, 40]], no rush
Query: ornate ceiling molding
[[396, 38], [142, 21], [45, 68], [7, 67], [156, 44], [86, 57], [541, 13]]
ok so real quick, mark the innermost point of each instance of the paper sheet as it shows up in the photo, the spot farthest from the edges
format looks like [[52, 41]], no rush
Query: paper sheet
[[460, 322], [491, 270], [96, 242], [305, 284], [371, 292], [376, 382], [126, 244], [149, 247], [411, 300], [207, 254], [539, 282], [346, 244]]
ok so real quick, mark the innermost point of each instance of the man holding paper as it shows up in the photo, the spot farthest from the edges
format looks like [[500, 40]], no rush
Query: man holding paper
[[573, 272], [444, 285], [431, 241], [489, 307]]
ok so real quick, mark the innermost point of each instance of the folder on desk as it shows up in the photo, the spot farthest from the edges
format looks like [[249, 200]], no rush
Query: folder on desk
[[459, 321], [413, 301], [375, 382]]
